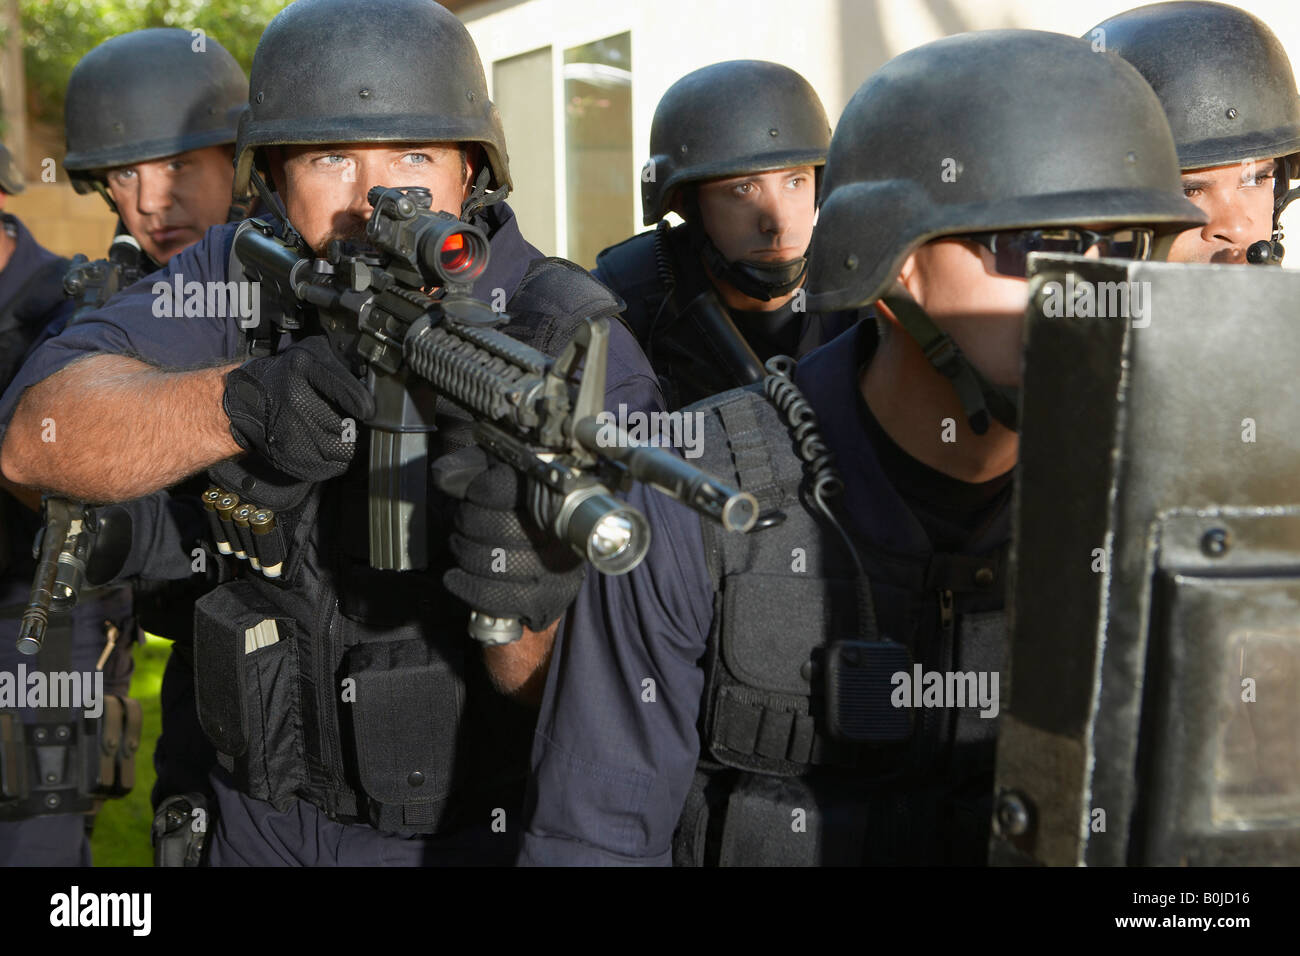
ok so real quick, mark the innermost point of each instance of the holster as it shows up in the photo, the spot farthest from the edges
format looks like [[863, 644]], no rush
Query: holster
[[180, 829], [67, 764]]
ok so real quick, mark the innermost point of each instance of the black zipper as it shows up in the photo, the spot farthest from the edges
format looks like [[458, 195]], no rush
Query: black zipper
[[327, 695], [930, 734]]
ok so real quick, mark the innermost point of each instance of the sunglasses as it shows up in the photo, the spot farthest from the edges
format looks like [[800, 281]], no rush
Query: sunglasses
[[1011, 249]]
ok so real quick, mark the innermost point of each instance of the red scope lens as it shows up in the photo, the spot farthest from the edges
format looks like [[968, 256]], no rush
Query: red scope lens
[[456, 255]]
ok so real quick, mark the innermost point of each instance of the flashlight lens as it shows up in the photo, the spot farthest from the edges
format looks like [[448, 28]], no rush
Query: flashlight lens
[[611, 536]]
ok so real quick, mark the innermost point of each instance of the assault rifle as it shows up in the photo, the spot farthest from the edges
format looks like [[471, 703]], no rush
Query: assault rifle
[[530, 410], [91, 284]]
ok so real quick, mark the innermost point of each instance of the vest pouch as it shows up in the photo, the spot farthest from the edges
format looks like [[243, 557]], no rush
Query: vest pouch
[[783, 821], [765, 709], [405, 701], [246, 688]]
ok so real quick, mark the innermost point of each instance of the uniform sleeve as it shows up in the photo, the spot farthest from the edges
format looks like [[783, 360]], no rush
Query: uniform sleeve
[[131, 323], [629, 379], [616, 743], [165, 527]]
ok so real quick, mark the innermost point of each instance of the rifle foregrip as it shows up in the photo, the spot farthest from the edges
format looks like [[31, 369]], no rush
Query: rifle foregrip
[[485, 372]]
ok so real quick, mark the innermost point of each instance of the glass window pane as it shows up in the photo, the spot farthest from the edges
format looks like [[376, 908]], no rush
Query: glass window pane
[[521, 86], [600, 169]]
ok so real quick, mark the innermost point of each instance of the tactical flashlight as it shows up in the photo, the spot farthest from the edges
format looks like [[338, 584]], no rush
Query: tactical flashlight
[[603, 530]]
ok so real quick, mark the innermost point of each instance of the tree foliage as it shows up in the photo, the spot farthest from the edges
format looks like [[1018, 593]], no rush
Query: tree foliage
[[58, 33]]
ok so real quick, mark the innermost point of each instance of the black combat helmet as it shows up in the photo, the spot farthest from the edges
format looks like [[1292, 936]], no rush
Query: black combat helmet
[[729, 119], [383, 71], [149, 94], [1224, 80], [992, 130], [1222, 76], [11, 178]]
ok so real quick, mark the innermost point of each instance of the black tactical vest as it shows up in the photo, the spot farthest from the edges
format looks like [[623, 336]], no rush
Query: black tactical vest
[[774, 787], [366, 697]]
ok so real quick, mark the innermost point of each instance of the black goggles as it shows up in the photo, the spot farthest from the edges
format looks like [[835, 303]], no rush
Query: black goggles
[[1011, 249]]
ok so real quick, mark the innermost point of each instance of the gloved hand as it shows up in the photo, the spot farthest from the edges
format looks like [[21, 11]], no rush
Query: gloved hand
[[286, 407], [507, 566]]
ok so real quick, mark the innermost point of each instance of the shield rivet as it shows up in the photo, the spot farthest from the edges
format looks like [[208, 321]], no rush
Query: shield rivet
[[1216, 542], [1012, 815]]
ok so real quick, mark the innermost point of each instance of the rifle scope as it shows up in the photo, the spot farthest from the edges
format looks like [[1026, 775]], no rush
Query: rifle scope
[[444, 250]]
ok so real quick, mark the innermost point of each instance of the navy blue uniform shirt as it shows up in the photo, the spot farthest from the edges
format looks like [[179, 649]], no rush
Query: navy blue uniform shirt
[[28, 256]]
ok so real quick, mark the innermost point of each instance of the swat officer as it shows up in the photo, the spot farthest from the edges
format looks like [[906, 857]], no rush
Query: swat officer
[[737, 150], [31, 288], [751, 687], [1230, 96], [159, 153], [161, 156], [423, 761], [161, 159]]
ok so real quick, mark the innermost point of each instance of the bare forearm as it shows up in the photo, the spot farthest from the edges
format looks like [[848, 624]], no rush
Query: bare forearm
[[110, 428], [519, 669]]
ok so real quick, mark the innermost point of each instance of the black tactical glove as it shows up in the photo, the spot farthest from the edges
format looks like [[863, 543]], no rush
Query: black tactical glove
[[286, 408], [507, 566]]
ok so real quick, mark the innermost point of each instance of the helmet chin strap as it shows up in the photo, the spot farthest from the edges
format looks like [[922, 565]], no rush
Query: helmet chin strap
[[980, 399], [273, 205], [758, 280], [103, 191], [479, 197]]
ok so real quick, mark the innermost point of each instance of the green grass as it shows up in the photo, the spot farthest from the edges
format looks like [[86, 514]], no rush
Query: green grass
[[122, 828]]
